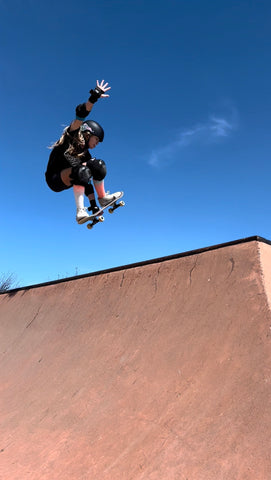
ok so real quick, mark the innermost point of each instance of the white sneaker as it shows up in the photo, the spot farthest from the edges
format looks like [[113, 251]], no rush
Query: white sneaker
[[81, 215], [109, 198]]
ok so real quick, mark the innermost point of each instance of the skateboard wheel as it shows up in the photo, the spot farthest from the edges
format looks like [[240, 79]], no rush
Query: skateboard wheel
[[89, 226], [101, 219], [111, 210], [122, 203]]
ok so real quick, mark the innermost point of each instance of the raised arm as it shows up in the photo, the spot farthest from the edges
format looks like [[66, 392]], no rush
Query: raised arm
[[83, 110]]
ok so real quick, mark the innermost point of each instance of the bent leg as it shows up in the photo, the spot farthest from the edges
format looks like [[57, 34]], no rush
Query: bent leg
[[66, 176], [81, 213], [99, 187], [89, 191], [98, 172], [79, 192]]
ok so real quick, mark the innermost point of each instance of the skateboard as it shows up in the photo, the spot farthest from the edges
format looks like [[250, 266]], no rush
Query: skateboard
[[98, 216]]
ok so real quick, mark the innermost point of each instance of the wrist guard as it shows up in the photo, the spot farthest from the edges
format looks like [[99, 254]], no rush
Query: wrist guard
[[81, 111], [95, 94]]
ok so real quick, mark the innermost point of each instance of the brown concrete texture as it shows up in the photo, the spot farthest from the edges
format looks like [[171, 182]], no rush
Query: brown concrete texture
[[160, 371]]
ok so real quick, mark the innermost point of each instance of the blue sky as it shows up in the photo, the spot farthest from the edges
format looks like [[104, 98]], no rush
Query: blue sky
[[187, 128]]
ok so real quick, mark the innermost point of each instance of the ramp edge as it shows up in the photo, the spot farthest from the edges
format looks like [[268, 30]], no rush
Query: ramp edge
[[254, 238], [265, 263]]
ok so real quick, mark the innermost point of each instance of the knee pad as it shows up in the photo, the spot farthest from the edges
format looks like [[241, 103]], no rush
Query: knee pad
[[81, 175], [97, 168]]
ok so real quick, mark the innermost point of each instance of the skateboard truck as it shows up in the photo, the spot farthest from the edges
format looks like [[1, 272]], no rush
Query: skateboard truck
[[116, 205], [112, 206], [94, 221]]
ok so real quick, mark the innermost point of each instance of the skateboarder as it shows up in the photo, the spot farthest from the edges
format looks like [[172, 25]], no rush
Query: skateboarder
[[70, 163]]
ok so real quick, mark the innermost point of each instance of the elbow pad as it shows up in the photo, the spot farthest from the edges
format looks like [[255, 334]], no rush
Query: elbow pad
[[81, 112]]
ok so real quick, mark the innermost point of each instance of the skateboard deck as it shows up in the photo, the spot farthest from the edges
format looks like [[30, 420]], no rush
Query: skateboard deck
[[98, 216]]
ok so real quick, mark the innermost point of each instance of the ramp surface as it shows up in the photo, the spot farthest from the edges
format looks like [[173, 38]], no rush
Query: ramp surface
[[158, 371]]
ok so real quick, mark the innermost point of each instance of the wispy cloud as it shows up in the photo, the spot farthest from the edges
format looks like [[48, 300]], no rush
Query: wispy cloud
[[215, 129]]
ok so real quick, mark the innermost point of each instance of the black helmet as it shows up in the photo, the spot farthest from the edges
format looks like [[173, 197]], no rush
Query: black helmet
[[94, 128]]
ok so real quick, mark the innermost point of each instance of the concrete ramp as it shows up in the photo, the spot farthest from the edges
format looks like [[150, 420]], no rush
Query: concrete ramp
[[154, 371]]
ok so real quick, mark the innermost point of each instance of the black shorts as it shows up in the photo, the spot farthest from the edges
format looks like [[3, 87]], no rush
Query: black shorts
[[55, 183]]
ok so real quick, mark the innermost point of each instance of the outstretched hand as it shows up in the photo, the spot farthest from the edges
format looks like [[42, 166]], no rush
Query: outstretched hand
[[84, 109], [104, 87]]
